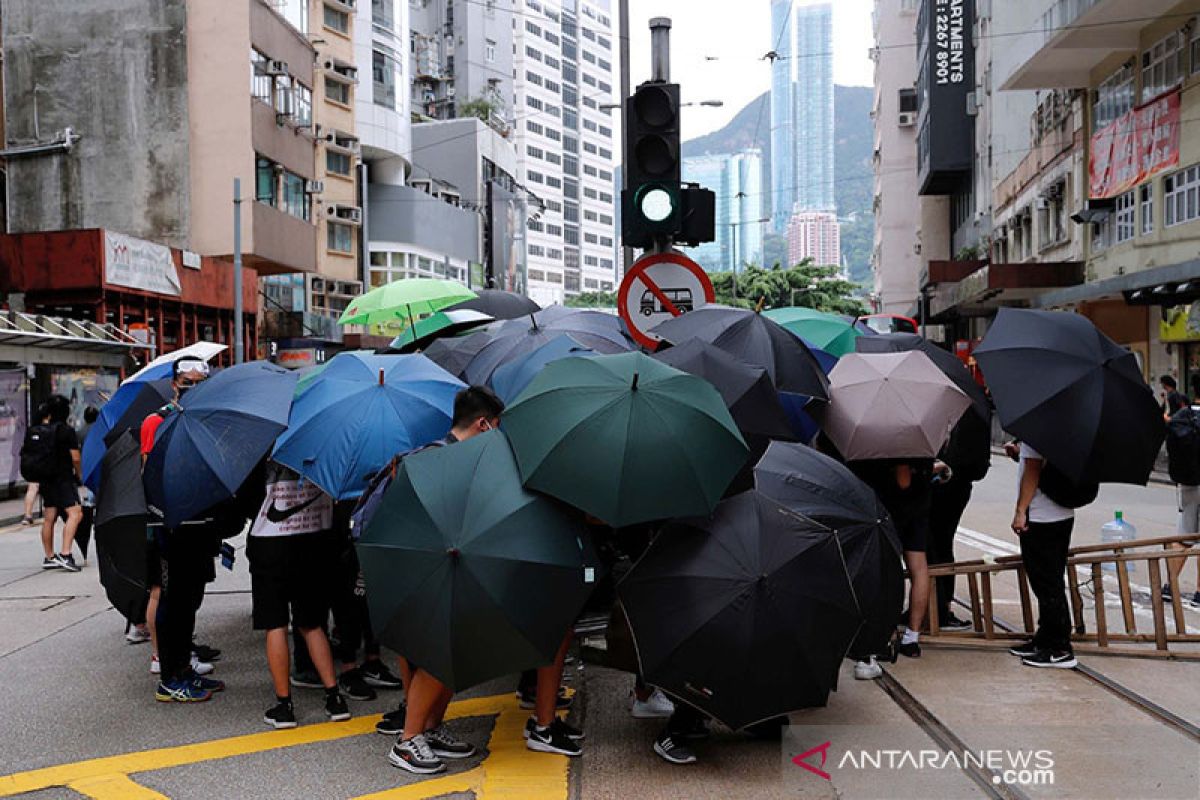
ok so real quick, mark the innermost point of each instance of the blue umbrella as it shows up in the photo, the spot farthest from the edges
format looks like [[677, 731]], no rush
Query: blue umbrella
[[129, 404], [793, 404], [359, 412], [510, 379], [205, 451]]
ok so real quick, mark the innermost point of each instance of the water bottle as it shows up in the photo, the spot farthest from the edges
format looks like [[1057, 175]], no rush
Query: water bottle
[[1116, 531]]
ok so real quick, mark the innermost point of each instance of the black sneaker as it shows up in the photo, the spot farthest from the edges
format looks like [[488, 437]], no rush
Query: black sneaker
[[335, 707], [67, 562], [206, 653], [529, 699], [415, 756], [353, 686], [673, 750], [1024, 650], [1049, 658], [952, 623], [376, 674], [281, 715], [912, 649], [552, 739], [51, 563], [570, 731], [392, 723], [306, 679], [1166, 591], [445, 744]]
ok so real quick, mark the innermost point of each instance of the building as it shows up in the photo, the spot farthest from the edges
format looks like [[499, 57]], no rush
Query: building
[[802, 161], [814, 235], [737, 181]]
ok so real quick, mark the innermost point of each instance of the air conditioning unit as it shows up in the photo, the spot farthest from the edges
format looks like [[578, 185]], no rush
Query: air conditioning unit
[[450, 91], [318, 284], [314, 187], [1042, 204], [277, 67], [907, 119], [351, 214]]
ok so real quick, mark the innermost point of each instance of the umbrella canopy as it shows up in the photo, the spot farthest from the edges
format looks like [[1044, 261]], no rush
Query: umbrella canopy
[[752, 338], [747, 391], [592, 329], [499, 304], [833, 334], [826, 491], [890, 405], [467, 573], [204, 452], [438, 326], [126, 409], [746, 614], [1076, 396], [162, 366], [625, 438], [510, 379], [404, 300], [359, 412], [121, 527], [943, 359], [120, 493], [454, 354]]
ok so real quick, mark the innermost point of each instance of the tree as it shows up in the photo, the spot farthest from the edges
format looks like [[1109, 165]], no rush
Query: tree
[[592, 300], [775, 250], [804, 285], [482, 107]]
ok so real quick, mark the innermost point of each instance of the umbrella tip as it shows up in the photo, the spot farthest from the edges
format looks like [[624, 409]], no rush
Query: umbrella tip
[[453, 552], [381, 376], [635, 382]]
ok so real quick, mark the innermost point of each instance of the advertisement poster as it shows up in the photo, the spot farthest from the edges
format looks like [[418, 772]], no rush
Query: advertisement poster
[[139, 264], [507, 256], [1134, 147], [14, 388], [83, 386]]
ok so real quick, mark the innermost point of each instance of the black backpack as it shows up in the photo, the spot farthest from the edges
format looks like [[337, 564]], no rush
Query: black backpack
[[969, 448], [38, 462], [1055, 484], [1183, 447]]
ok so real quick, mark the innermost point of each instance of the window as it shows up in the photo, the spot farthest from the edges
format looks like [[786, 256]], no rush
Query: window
[[534, 152], [570, 120], [338, 163], [606, 219], [533, 127], [552, 86], [588, 34], [535, 177], [1147, 206], [589, 57], [554, 135], [605, 87], [339, 237], [589, 80], [552, 110], [605, 197], [553, 158], [588, 169], [295, 200], [1126, 212], [337, 20], [261, 83], [337, 91], [605, 152], [589, 125], [533, 78], [552, 38], [605, 175], [535, 225], [489, 51], [266, 188], [537, 250], [552, 62], [554, 206], [604, 42], [570, 74], [553, 182], [589, 102], [1163, 65], [590, 238], [554, 230], [531, 53], [1102, 234], [571, 212], [591, 261], [532, 28], [588, 147], [606, 241], [1180, 192], [605, 131], [1195, 49], [604, 64], [571, 235], [589, 193], [590, 216], [383, 74], [382, 14], [569, 50], [303, 109], [533, 102], [571, 166]]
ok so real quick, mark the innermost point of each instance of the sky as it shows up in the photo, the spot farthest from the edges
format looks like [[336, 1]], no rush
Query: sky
[[736, 33]]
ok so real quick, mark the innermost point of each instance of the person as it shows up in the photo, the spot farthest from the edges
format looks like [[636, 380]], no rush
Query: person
[[425, 740], [1044, 529], [31, 496], [90, 415], [545, 732], [1172, 399], [1183, 465], [60, 492]]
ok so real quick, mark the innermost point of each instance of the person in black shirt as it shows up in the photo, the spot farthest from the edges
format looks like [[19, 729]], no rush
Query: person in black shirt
[[1172, 399], [60, 494]]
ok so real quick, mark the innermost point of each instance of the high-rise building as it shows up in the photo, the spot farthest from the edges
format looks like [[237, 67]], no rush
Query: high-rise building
[[802, 162], [815, 235], [736, 180]]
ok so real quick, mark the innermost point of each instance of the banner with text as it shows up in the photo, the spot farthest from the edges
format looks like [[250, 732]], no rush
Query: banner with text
[[1137, 145], [139, 264]]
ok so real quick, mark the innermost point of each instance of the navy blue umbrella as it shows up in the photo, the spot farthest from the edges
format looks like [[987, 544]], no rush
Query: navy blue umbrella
[[205, 451], [510, 379], [127, 407]]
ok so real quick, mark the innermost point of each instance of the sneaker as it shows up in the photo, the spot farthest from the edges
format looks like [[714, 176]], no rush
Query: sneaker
[[281, 715], [376, 674], [206, 653], [570, 731], [656, 706], [51, 563], [529, 699], [306, 679], [137, 634], [201, 667], [867, 670], [673, 751], [416, 756], [445, 744], [1049, 658], [181, 691], [952, 623], [392, 723], [912, 649], [67, 562], [552, 739], [1166, 591], [1024, 650], [155, 667], [208, 684], [335, 707], [1196, 597], [354, 687]]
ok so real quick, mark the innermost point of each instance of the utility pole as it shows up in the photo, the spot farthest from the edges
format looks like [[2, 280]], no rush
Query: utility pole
[[239, 348], [626, 250]]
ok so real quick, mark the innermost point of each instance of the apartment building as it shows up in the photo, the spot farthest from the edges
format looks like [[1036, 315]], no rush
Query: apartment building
[[814, 235]]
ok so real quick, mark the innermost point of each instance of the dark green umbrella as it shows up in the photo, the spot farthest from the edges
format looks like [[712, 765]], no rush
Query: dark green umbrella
[[625, 438], [468, 574]]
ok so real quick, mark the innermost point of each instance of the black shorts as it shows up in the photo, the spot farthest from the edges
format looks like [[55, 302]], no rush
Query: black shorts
[[290, 578], [154, 567], [59, 493]]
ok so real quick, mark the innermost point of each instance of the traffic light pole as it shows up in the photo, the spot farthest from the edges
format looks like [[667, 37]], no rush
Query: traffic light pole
[[660, 70], [626, 250]]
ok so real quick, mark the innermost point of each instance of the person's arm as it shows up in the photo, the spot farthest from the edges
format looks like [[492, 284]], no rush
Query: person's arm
[[1029, 485], [904, 476], [75, 464]]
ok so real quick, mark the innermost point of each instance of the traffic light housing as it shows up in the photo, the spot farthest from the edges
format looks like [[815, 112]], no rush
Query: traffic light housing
[[699, 222], [652, 200]]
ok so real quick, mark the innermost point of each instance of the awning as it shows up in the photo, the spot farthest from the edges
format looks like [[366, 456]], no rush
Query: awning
[[991, 286], [36, 338], [1170, 285]]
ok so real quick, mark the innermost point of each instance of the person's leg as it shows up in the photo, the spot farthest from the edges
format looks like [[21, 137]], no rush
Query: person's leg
[[549, 678], [31, 493], [918, 592], [152, 618], [278, 661], [49, 515], [1040, 548], [322, 657], [949, 502], [74, 517], [424, 694], [1060, 542]]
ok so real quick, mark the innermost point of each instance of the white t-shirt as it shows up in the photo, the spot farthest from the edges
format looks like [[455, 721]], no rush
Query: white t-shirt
[[1041, 508], [293, 507]]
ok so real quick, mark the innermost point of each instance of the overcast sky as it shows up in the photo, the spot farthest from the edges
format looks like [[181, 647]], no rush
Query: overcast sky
[[736, 33]]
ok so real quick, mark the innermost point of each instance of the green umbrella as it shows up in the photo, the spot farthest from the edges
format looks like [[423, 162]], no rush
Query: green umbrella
[[828, 332], [469, 574], [404, 300], [438, 325], [625, 438]]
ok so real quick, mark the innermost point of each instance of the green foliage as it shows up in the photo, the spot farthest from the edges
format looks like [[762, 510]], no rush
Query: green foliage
[[777, 287], [593, 300], [480, 107], [775, 250]]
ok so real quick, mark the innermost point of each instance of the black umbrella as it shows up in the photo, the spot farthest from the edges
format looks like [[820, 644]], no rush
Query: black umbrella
[[752, 399], [825, 491], [499, 304], [454, 354], [151, 396], [943, 359], [1073, 394], [756, 340], [121, 527], [592, 329], [746, 614]]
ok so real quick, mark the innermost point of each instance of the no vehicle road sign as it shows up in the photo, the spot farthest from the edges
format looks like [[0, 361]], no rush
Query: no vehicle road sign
[[660, 286]]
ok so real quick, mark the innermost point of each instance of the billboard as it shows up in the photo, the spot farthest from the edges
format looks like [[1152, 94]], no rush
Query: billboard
[[946, 60], [506, 267], [1135, 146]]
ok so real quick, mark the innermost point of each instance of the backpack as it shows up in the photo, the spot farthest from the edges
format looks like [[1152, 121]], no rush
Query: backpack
[[372, 496], [1183, 447], [38, 458], [1055, 484], [968, 451]]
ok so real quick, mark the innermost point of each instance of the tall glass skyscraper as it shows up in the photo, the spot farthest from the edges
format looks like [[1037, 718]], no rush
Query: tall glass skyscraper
[[736, 179], [801, 109]]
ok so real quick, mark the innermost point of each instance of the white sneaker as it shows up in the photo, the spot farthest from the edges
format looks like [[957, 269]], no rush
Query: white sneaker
[[201, 667], [138, 634], [656, 706], [867, 670], [155, 667]]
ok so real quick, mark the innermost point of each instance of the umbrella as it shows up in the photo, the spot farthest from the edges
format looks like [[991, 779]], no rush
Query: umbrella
[[126, 409], [121, 527], [510, 379], [438, 326], [467, 573], [454, 354], [360, 412], [754, 339], [747, 391], [404, 300], [625, 438], [499, 304], [162, 366], [593, 329], [746, 614], [827, 361], [826, 491], [943, 359], [1076, 396], [890, 405], [204, 452], [831, 333]]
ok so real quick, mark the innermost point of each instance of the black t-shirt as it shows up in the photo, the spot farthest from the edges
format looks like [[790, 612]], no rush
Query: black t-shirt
[[1174, 402], [65, 440], [902, 504]]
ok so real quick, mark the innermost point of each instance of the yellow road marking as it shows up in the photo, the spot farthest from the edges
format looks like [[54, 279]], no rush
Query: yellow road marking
[[114, 787]]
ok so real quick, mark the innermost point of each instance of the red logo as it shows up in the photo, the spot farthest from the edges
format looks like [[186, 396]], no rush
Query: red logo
[[823, 749]]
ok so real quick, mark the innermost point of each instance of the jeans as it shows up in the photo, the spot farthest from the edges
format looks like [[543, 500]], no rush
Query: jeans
[[1044, 551], [187, 555], [949, 500]]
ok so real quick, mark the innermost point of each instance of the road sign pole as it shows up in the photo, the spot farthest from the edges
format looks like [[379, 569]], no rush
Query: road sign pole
[[660, 49]]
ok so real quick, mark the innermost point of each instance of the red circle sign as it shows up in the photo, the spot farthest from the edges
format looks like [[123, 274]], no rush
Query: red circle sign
[[660, 286]]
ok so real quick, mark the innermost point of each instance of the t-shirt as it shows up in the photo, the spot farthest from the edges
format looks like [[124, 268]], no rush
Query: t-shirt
[[150, 426], [1041, 508], [904, 505], [65, 440], [1175, 401], [293, 506]]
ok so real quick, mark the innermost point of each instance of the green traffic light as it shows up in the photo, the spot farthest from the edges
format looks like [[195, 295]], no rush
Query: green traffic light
[[657, 204]]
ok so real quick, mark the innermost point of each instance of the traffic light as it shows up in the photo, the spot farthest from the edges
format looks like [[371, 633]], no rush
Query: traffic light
[[699, 216], [651, 202]]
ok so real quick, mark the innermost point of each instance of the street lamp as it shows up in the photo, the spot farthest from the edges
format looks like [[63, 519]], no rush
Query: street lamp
[[735, 226]]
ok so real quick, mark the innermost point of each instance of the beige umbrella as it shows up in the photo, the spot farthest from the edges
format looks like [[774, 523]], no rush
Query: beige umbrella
[[890, 405]]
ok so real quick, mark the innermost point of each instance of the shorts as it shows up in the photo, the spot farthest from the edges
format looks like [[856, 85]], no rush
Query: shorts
[[154, 566], [913, 533], [290, 578], [1189, 509], [59, 493]]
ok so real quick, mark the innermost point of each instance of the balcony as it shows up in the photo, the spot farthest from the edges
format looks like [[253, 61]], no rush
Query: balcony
[[1077, 35]]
